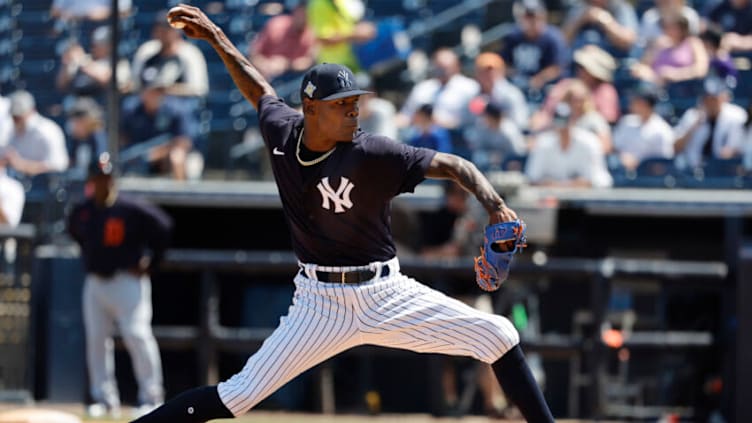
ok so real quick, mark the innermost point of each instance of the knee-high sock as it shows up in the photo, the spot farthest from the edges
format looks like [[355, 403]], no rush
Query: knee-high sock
[[193, 406], [520, 387]]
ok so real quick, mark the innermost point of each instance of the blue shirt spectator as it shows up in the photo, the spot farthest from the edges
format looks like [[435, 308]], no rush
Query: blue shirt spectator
[[429, 135], [535, 52], [86, 136], [731, 16], [164, 127]]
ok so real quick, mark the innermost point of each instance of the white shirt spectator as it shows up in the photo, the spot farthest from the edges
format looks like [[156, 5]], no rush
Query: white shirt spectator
[[652, 139], [6, 123], [12, 198], [582, 159], [42, 141], [504, 92], [191, 60], [747, 147], [379, 119], [727, 134], [86, 8], [449, 101]]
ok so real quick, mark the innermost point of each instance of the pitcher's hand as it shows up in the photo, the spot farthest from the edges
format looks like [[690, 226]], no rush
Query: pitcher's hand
[[193, 22]]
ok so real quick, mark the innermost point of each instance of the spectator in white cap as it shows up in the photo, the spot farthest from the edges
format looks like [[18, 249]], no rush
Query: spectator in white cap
[[595, 68], [37, 144]]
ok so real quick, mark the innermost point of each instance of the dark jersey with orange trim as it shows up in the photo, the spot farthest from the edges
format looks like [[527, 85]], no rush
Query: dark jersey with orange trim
[[115, 238]]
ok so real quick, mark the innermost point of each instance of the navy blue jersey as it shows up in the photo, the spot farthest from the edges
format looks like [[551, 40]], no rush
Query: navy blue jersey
[[339, 209], [115, 238]]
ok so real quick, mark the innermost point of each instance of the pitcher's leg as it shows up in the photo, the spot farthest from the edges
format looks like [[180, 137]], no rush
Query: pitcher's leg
[[520, 386], [421, 319], [100, 355], [316, 328]]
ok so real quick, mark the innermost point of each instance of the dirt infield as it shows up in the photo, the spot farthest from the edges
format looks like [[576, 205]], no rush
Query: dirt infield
[[282, 417]]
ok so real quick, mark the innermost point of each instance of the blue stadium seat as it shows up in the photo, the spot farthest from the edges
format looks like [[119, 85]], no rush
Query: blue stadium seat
[[514, 163], [651, 173]]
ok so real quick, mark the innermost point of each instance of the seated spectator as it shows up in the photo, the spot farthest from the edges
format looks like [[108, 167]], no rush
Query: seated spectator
[[651, 28], [677, 57], [6, 123], [595, 68], [376, 114], [12, 199], [167, 127], [448, 90], [286, 45], [579, 99], [83, 74], [337, 25], [643, 134], [713, 129], [494, 138], [37, 144], [494, 87], [721, 63], [87, 139], [92, 10], [427, 133], [747, 140], [168, 57], [567, 156], [734, 19], [534, 51], [609, 24]]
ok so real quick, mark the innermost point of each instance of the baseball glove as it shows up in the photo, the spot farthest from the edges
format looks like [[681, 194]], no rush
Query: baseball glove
[[500, 243]]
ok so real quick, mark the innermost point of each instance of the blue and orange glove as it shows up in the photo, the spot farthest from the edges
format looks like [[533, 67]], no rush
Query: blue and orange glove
[[500, 243]]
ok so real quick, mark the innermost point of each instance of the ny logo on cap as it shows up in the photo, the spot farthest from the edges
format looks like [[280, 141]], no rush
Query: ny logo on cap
[[343, 77], [309, 89]]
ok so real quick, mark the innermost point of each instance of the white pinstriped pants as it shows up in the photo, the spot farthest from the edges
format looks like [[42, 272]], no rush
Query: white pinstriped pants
[[395, 311]]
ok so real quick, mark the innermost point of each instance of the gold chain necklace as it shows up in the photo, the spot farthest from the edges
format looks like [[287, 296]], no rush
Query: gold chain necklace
[[314, 161]]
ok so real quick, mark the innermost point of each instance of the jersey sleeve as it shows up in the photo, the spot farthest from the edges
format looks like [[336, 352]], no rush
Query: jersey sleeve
[[275, 118], [401, 166], [158, 227]]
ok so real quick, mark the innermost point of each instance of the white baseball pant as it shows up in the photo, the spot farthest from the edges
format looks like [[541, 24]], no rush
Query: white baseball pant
[[121, 302], [393, 311]]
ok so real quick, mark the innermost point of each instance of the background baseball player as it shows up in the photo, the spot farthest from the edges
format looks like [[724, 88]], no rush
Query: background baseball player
[[336, 183], [115, 233]]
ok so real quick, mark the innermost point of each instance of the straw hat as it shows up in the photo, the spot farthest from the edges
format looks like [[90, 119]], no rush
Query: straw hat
[[596, 62]]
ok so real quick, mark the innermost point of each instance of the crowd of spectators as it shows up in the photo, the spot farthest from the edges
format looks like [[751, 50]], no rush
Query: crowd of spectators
[[575, 96]]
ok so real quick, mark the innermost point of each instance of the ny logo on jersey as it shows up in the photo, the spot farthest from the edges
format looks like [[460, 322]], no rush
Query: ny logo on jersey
[[340, 197]]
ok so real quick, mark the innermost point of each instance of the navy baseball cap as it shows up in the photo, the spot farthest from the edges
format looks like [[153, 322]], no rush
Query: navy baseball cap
[[648, 92], [101, 166], [329, 81]]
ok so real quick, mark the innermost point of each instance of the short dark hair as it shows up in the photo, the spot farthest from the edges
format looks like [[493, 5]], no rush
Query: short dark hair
[[712, 35], [425, 109]]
